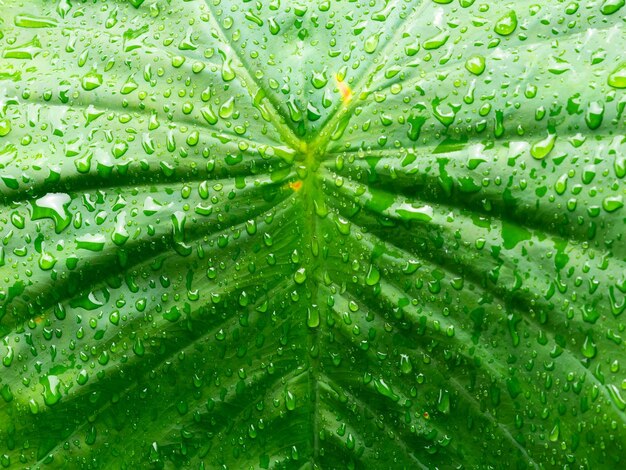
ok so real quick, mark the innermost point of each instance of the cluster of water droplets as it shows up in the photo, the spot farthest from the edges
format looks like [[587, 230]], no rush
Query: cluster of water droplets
[[353, 233]]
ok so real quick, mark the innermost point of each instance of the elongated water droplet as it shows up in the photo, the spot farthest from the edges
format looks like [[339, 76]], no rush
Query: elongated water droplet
[[373, 276], [405, 364], [589, 348], [51, 389], [384, 389], [595, 114], [91, 242], [443, 402], [616, 396], [228, 73], [32, 21]]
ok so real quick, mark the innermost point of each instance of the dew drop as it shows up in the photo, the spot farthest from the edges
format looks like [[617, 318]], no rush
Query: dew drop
[[373, 276], [51, 389], [611, 6], [617, 78], [53, 206], [589, 348], [612, 203], [475, 64], [506, 24], [91, 81], [541, 149], [300, 276]]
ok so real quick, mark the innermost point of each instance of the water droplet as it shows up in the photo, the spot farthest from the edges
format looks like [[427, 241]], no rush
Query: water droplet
[[589, 348], [46, 261], [83, 377], [53, 206], [319, 80], [208, 114], [273, 26], [436, 41], [406, 367], [5, 127], [616, 396], [138, 347], [8, 358], [227, 108], [91, 81], [373, 276], [371, 43], [541, 149], [408, 211], [51, 389], [119, 149], [611, 6], [617, 78], [91, 242], [475, 64], [443, 401], [300, 276], [313, 316], [32, 21], [129, 86], [228, 73], [506, 24], [612, 203], [554, 434], [595, 114], [384, 389]]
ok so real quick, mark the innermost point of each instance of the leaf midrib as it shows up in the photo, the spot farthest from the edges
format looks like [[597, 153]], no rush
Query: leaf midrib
[[311, 152]]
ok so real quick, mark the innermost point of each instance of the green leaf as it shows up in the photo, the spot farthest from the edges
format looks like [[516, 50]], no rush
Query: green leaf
[[348, 234]]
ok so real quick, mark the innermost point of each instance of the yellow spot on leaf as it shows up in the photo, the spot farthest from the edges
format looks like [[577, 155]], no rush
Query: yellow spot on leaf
[[344, 89]]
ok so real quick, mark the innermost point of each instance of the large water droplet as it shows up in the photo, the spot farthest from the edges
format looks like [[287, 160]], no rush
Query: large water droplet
[[617, 78], [506, 24], [541, 149], [53, 206]]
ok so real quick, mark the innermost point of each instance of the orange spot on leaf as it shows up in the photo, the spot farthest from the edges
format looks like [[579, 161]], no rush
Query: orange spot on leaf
[[295, 185]]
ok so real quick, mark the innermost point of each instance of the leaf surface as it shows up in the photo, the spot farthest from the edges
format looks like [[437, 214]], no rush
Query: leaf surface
[[347, 234]]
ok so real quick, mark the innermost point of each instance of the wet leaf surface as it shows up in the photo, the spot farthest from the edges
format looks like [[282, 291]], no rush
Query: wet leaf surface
[[314, 234]]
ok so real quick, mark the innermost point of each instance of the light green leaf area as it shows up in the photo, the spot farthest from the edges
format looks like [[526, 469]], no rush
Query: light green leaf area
[[312, 234]]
